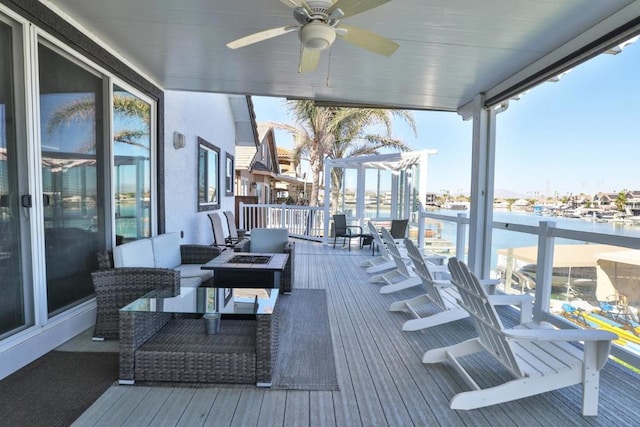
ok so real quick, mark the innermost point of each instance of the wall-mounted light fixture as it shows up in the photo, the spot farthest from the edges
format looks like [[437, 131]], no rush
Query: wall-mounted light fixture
[[179, 140], [254, 185]]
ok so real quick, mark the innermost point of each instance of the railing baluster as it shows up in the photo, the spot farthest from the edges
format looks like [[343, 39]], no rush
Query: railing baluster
[[301, 221]]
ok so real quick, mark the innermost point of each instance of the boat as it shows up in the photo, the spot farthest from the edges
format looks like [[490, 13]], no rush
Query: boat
[[457, 206], [574, 272]]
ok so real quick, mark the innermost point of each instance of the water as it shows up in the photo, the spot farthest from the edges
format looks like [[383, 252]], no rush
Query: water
[[128, 223], [503, 239]]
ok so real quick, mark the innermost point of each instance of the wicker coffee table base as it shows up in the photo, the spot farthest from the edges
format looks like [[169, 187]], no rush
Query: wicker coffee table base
[[155, 347]]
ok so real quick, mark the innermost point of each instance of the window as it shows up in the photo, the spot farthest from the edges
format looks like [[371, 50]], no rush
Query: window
[[228, 176], [208, 167], [244, 186]]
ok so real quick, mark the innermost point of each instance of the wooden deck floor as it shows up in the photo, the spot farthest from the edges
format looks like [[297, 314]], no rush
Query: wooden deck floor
[[381, 378]]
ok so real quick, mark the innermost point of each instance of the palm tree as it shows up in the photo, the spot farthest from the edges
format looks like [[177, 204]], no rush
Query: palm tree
[[336, 132], [621, 200]]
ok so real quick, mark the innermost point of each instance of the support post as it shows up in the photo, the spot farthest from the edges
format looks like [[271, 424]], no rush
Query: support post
[[421, 227], [327, 195], [360, 194], [482, 180]]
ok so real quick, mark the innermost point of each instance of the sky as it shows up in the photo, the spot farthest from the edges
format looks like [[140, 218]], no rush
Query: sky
[[578, 135]]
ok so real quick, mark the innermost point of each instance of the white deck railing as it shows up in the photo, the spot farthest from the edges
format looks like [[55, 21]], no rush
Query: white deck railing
[[547, 232], [308, 223], [303, 222]]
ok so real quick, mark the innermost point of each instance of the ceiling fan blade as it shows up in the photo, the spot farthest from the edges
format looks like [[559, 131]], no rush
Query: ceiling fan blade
[[294, 4], [367, 40], [291, 3], [353, 7], [260, 36], [309, 60]]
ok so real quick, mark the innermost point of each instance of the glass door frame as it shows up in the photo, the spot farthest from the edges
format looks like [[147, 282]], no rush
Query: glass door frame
[[20, 99]]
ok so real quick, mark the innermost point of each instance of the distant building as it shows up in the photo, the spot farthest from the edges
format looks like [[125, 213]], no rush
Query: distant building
[[605, 200], [633, 203], [265, 171]]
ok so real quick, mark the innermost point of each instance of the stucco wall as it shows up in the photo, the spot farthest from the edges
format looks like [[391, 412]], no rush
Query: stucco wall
[[195, 115]]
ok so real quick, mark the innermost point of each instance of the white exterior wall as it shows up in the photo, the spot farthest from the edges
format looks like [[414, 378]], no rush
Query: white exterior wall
[[204, 115]]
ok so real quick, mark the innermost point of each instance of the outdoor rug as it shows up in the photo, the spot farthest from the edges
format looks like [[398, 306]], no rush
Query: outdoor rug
[[305, 357], [56, 389]]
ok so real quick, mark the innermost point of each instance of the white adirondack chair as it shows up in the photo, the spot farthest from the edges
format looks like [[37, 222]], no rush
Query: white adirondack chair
[[444, 295], [382, 262], [441, 293], [402, 277], [385, 261], [541, 358]]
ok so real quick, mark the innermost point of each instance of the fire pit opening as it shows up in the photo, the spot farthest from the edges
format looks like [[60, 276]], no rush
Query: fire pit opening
[[250, 259]]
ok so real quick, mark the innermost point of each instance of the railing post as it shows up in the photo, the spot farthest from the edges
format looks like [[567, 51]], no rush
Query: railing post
[[309, 222], [283, 219], [461, 236], [421, 227], [241, 223], [544, 269]]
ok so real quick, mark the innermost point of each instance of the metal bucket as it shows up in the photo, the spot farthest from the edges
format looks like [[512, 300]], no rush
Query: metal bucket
[[211, 323]]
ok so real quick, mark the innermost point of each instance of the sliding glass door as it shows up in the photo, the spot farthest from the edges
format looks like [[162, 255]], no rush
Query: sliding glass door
[[16, 293], [72, 183], [72, 149]]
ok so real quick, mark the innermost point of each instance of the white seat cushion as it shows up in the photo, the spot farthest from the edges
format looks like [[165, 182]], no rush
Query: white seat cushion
[[268, 240], [194, 270], [166, 250], [138, 253], [190, 282]]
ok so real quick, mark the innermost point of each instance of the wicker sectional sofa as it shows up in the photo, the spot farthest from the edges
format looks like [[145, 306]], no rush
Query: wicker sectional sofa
[[140, 267], [165, 251]]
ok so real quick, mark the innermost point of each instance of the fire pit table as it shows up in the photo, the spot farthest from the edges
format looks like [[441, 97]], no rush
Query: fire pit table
[[248, 270]]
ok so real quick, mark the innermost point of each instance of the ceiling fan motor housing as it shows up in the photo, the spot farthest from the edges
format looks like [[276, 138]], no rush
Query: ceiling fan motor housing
[[317, 35]]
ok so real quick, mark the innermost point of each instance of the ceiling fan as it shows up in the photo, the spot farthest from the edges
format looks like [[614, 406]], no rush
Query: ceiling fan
[[319, 24]]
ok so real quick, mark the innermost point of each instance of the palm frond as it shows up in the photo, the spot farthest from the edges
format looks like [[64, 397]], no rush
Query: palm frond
[[130, 137], [75, 111]]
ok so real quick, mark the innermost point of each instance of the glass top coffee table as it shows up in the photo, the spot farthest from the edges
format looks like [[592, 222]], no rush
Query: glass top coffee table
[[205, 300]]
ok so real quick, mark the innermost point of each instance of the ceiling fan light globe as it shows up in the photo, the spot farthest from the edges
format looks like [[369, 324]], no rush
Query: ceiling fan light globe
[[317, 36]]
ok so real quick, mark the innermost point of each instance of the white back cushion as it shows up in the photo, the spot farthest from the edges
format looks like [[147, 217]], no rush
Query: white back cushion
[[166, 250], [138, 253], [268, 240]]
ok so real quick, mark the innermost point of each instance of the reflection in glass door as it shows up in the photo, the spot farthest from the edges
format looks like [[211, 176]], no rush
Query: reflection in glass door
[[16, 296], [132, 160], [71, 111]]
